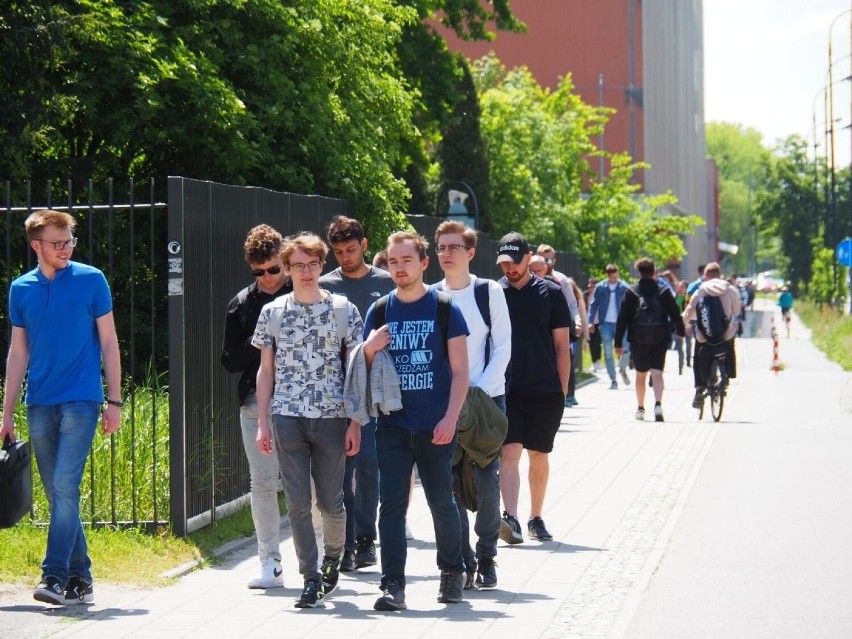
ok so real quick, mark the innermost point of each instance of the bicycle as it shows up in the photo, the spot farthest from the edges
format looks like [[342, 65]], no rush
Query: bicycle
[[716, 387]]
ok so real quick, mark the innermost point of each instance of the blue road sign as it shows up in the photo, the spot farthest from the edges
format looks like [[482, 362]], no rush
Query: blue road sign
[[844, 252]]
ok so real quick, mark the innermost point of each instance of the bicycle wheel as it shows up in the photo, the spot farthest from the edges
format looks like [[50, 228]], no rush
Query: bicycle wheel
[[716, 383]]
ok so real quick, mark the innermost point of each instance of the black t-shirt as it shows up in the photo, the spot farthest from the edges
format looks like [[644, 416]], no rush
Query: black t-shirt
[[535, 311]]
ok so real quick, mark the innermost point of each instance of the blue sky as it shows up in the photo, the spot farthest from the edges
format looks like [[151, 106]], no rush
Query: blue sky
[[765, 63]]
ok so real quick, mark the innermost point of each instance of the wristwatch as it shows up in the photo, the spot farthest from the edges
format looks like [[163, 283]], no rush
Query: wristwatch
[[115, 402]]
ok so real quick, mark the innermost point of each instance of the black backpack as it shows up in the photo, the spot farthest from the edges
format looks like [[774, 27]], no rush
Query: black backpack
[[710, 317], [651, 322]]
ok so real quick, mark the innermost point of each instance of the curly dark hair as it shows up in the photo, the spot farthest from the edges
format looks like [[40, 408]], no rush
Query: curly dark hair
[[262, 244]]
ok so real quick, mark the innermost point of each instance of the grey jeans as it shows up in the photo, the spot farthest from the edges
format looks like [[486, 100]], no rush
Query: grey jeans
[[263, 470], [313, 448]]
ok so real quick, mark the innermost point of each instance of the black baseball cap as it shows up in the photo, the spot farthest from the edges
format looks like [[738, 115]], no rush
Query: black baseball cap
[[512, 247]]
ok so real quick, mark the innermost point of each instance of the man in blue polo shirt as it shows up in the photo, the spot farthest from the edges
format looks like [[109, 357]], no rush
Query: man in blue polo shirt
[[538, 381], [62, 325]]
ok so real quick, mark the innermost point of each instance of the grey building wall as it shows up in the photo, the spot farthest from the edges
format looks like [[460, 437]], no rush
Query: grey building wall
[[673, 68]]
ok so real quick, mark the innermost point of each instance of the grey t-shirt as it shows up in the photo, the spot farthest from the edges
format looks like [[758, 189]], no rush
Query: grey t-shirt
[[362, 291]]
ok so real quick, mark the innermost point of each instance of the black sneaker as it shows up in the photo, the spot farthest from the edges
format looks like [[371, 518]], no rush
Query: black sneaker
[[393, 597], [469, 577], [347, 564], [365, 553], [452, 585], [49, 590], [330, 570], [698, 400], [78, 591], [510, 529], [486, 573], [536, 529], [312, 595]]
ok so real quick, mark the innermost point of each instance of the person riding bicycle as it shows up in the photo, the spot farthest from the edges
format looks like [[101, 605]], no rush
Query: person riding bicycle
[[785, 302], [702, 311]]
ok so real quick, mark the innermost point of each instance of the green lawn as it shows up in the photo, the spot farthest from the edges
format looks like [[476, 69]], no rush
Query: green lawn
[[831, 331]]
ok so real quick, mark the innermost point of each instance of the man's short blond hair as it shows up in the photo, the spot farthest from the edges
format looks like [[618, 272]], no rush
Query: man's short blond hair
[[38, 220], [712, 271], [309, 243]]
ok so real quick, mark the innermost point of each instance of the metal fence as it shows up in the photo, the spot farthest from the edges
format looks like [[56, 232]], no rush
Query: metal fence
[[179, 458], [126, 481]]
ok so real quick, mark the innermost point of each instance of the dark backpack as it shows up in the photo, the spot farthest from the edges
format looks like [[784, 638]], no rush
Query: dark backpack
[[710, 317], [444, 303], [651, 322]]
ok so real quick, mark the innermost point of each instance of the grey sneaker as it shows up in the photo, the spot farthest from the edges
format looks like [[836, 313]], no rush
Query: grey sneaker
[[78, 591], [347, 564], [640, 414], [536, 529], [613, 385], [486, 573], [365, 553], [698, 400], [312, 595], [452, 585], [510, 529], [49, 590], [658, 413], [625, 378], [393, 597]]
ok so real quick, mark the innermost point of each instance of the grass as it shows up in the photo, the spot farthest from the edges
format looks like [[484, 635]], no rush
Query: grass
[[831, 331], [122, 556]]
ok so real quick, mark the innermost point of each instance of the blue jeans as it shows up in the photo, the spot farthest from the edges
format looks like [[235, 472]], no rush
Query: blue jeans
[[315, 448], [487, 524], [361, 489], [61, 436], [607, 330], [398, 450]]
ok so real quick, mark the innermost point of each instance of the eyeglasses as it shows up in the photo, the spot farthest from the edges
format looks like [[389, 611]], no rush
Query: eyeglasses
[[272, 270], [61, 244], [549, 260], [449, 248], [298, 267]]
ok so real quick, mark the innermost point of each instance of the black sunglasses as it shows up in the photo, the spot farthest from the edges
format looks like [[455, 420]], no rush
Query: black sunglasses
[[272, 270]]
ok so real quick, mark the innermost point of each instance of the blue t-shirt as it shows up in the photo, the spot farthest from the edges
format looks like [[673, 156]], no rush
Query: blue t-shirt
[[419, 353], [59, 316], [535, 310]]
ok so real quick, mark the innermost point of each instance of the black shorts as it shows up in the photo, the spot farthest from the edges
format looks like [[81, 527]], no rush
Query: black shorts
[[534, 419], [646, 357]]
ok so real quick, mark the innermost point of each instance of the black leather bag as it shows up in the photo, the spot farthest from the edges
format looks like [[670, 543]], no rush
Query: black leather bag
[[16, 482]]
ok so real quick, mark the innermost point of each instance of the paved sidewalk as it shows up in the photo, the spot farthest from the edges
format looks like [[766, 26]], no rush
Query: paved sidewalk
[[618, 497]]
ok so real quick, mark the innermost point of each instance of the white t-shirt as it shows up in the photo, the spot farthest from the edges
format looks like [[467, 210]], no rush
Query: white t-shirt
[[489, 378], [612, 308]]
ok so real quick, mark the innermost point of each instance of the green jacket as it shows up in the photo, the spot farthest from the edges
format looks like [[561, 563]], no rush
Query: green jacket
[[482, 428]]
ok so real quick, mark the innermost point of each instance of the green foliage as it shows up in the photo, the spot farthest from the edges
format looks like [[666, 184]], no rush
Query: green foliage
[[129, 468], [831, 331], [825, 287], [538, 144]]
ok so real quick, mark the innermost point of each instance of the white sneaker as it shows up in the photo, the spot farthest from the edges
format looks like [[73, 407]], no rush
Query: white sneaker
[[658, 413], [271, 575], [640, 414]]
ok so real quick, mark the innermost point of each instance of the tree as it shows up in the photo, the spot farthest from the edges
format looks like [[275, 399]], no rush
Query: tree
[[538, 144]]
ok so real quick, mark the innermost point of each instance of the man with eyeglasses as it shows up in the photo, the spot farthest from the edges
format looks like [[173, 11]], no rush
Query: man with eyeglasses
[[62, 331], [362, 284], [489, 347], [262, 253], [303, 342]]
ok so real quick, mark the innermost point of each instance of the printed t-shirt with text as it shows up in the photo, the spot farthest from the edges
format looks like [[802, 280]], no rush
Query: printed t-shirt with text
[[419, 354], [308, 365]]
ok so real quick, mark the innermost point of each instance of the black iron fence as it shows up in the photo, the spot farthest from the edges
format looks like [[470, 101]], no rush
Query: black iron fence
[[126, 481], [178, 459]]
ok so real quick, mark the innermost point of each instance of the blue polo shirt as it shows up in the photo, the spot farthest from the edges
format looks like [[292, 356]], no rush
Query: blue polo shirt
[[535, 310], [420, 356], [59, 318]]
